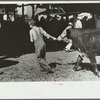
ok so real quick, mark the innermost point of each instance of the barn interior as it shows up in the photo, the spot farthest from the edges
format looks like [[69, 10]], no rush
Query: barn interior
[[14, 31]]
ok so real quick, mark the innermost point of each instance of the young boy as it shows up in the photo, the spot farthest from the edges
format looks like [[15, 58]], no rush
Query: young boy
[[36, 36]]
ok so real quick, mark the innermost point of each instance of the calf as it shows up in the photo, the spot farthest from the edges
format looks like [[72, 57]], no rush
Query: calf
[[86, 41]]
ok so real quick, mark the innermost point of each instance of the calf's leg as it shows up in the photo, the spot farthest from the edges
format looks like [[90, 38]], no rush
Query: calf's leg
[[79, 61], [92, 59]]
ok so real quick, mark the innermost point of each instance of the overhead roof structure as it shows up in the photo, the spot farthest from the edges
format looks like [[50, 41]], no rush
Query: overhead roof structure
[[82, 7]]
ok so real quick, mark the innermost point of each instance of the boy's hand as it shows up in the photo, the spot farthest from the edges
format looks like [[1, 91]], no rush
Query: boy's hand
[[59, 38], [31, 40], [54, 38]]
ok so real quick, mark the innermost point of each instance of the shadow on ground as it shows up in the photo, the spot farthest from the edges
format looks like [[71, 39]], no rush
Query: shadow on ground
[[86, 66], [7, 63], [53, 65]]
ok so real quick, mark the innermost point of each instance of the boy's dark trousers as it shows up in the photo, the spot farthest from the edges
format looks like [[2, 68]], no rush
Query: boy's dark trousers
[[41, 57]]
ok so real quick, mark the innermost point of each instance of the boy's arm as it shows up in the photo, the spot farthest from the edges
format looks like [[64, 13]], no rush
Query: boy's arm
[[31, 36], [47, 35]]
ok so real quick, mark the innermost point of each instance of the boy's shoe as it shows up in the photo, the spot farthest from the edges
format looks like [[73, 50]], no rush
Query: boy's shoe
[[47, 70], [42, 70], [51, 71]]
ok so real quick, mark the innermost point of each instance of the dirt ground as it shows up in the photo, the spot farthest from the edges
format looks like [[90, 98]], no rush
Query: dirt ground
[[24, 68]]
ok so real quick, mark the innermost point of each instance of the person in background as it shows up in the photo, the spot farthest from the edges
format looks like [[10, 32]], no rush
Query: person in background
[[76, 22], [36, 36]]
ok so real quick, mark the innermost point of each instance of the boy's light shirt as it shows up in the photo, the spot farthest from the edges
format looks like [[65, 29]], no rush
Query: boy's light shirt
[[33, 35]]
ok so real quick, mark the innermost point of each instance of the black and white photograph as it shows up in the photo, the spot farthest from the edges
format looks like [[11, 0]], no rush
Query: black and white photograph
[[49, 49], [49, 42]]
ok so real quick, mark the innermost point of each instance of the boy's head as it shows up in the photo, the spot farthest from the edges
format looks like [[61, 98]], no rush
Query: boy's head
[[32, 23]]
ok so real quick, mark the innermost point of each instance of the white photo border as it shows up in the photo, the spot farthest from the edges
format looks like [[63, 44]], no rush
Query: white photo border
[[49, 90]]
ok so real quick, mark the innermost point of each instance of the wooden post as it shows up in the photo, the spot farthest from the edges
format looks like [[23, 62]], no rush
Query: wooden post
[[23, 12], [7, 14], [67, 13], [32, 10], [14, 15], [48, 13]]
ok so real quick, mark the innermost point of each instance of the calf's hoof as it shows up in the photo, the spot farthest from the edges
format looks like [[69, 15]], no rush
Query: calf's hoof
[[77, 68], [97, 73]]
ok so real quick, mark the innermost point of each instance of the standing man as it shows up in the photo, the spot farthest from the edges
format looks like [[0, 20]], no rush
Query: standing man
[[63, 35], [76, 22], [36, 36]]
